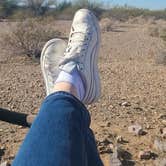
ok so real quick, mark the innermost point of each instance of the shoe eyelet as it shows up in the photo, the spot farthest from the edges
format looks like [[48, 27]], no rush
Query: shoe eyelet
[[80, 66]]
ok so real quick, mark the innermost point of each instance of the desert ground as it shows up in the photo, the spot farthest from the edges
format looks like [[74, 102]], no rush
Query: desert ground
[[133, 91]]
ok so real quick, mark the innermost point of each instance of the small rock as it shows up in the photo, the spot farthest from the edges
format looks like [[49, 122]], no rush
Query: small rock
[[104, 146], [148, 126], [2, 148], [136, 129], [103, 149], [119, 139], [160, 145], [163, 122], [111, 146], [125, 104], [164, 133], [108, 124], [115, 158], [144, 155], [162, 116], [30, 119], [20, 127], [138, 109], [11, 157], [160, 162], [104, 142]]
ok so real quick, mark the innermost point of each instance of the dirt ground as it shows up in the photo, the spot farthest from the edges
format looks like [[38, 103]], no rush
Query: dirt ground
[[129, 74]]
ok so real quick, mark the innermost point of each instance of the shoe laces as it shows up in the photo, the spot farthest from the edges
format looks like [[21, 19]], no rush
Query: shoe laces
[[78, 43]]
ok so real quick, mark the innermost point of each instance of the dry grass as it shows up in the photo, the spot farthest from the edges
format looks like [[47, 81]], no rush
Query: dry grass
[[28, 37], [161, 58], [163, 34], [154, 31]]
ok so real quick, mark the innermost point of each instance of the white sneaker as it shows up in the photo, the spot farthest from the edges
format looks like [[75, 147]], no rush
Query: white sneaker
[[51, 55], [82, 53]]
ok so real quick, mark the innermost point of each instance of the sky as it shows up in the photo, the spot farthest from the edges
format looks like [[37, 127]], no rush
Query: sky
[[150, 4]]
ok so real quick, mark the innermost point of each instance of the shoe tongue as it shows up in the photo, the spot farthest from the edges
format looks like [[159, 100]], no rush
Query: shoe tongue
[[68, 67]]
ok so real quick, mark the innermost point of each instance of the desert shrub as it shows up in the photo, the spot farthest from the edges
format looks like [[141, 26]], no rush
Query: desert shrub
[[28, 37], [163, 34], [106, 24], [123, 13], [161, 58], [21, 14], [154, 31]]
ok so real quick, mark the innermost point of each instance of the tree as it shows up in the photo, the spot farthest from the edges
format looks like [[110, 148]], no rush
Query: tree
[[39, 7], [7, 7], [36, 6]]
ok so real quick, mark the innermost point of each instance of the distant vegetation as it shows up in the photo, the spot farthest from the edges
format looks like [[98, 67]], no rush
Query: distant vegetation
[[34, 8], [32, 30], [28, 37], [126, 12]]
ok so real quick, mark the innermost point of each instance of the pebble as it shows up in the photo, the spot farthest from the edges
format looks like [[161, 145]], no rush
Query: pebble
[[163, 132], [30, 119], [144, 155], [163, 122], [125, 104], [115, 158], [2, 148], [148, 126], [111, 146], [160, 145], [162, 116], [136, 129], [104, 146], [119, 139], [108, 124], [104, 141]]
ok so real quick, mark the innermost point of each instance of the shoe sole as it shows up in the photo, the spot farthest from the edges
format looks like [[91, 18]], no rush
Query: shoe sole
[[97, 86], [94, 90], [59, 48]]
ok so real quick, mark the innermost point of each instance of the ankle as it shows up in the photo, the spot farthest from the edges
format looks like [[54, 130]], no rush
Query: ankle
[[72, 79], [66, 87]]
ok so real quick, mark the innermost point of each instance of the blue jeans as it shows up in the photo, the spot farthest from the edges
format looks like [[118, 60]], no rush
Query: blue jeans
[[60, 135]]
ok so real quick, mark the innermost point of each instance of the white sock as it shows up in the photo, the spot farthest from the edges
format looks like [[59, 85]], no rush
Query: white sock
[[73, 78]]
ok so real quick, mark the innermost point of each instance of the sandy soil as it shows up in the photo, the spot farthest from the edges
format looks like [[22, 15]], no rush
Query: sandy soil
[[128, 74]]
